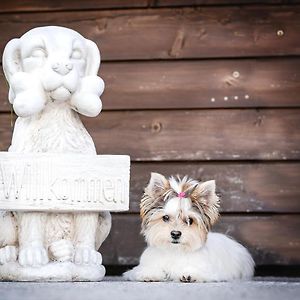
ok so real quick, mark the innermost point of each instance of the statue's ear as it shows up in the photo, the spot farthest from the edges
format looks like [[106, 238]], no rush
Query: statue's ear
[[11, 62], [93, 59], [11, 59]]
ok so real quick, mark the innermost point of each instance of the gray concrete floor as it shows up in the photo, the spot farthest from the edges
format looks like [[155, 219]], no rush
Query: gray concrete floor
[[114, 288]]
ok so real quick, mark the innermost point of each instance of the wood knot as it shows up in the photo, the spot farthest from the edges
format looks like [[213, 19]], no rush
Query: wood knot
[[178, 43], [225, 21], [259, 121], [156, 127]]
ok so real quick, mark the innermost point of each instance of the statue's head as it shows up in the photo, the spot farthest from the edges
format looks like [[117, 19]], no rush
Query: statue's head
[[56, 64]]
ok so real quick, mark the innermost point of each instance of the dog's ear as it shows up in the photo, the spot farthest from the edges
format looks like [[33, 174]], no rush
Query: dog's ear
[[93, 58], [154, 196], [157, 185], [11, 62], [204, 199]]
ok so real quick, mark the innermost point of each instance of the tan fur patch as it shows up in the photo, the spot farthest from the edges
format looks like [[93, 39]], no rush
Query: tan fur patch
[[205, 201]]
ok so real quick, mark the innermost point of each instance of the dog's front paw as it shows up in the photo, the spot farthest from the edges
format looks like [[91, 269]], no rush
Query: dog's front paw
[[152, 276], [85, 255], [147, 275], [189, 275], [8, 254], [62, 250], [33, 256], [187, 278]]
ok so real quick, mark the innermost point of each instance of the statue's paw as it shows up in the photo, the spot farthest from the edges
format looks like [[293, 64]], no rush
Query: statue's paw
[[62, 250], [8, 254], [85, 255], [33, 256], [28, 103], [87, 104]]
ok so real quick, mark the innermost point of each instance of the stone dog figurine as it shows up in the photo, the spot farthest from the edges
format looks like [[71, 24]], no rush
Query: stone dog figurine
[[52, 76]]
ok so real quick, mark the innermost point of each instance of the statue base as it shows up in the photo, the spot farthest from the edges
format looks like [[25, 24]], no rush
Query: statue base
[[53, 271]]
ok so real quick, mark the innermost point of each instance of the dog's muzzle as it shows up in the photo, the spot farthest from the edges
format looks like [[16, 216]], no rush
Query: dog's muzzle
[[175, 234]]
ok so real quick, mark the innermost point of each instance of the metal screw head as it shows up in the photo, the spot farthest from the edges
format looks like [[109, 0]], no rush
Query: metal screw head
[[280, 32], [236, 74]]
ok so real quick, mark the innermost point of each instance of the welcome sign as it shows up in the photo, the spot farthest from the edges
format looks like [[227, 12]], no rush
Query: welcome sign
[[64, 182]]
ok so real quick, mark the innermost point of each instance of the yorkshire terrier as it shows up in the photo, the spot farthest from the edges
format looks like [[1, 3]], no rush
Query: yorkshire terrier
[[177, 215]]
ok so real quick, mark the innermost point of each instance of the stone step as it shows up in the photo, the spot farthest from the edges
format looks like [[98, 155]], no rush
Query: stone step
[[114, 288]]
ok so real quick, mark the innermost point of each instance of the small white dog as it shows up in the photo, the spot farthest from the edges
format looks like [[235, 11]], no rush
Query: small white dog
[[176, 218]]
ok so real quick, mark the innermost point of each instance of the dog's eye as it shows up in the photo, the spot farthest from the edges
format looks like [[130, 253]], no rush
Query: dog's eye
[[189, 221], [76, 54], [166, 218], [38, 53]]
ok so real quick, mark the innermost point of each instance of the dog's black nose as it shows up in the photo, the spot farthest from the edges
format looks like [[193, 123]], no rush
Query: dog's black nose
[[175, 234]]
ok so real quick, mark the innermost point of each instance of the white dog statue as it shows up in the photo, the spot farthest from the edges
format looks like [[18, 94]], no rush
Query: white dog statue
[[52, 76]]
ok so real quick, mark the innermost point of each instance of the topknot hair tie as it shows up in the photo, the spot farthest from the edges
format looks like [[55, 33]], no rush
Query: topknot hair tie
[[181, 195]]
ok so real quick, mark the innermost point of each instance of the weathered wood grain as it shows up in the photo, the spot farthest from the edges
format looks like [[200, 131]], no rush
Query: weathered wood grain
[[6, 123], [269, 134], [180, 135], [221, 2], [56, 5], [66, 5], [242, 187], [196, 84], [202, 84], [225, 31], [272, 240], [175, 76]]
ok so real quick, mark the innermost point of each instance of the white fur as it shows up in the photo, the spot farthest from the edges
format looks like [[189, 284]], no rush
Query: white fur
[[195, 255], [220, 259], [52, 75]]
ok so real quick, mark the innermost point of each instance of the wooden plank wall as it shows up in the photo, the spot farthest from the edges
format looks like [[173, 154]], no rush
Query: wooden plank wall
[[208, 88]]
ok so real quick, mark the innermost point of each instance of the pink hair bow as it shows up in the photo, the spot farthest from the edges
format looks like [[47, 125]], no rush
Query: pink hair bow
[[181, 195]]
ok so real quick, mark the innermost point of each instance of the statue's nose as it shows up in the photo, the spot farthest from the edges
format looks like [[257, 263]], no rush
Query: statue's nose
[[62, 68]]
